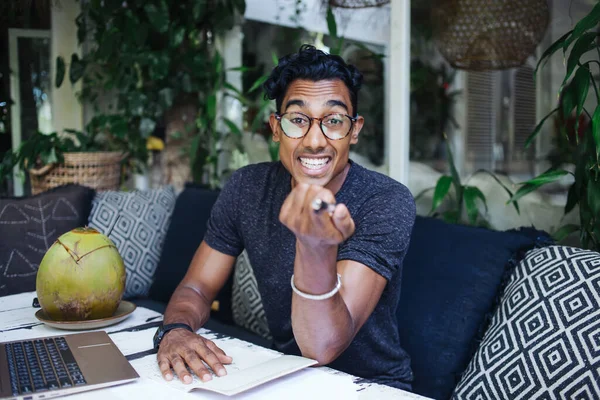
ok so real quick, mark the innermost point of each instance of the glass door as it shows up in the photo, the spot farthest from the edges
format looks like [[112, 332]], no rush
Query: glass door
[[30, 84]]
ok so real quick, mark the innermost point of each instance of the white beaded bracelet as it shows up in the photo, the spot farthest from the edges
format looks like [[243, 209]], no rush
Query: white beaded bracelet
[[318, 296]]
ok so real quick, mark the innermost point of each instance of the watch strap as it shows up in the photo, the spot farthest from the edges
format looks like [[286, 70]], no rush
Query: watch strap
[[164, 329]]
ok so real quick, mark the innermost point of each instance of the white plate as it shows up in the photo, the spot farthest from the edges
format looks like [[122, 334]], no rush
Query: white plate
[[123, 311]]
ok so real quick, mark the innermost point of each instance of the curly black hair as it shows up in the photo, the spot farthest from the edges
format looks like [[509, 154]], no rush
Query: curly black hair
[[315, 65]]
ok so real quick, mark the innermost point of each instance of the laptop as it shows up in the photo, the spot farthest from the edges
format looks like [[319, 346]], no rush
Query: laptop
[[60, 365]]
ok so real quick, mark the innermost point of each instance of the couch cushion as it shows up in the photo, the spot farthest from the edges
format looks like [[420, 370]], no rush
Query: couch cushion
[[137, 223], [451, 277], [30, 225], [544, 339], [184, 235]]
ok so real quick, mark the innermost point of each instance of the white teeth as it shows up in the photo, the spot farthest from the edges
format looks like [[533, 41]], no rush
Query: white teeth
[[314, 163]]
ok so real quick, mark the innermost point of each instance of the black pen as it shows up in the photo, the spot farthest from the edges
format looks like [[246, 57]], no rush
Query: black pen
[[319, 205]]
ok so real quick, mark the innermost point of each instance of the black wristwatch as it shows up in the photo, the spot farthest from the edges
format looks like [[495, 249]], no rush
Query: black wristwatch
[[163, 329]]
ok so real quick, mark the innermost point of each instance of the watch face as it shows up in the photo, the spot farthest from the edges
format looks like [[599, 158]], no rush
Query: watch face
[[157, 337]]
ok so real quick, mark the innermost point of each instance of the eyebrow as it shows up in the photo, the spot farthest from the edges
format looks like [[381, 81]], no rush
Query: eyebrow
[[330, 103]]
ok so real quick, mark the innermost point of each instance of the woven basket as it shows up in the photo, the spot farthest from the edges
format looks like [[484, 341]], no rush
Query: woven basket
[[357, 3], [481, 35], [99, 170]]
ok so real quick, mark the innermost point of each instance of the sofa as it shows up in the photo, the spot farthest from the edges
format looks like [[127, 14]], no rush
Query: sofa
[[483, 314]]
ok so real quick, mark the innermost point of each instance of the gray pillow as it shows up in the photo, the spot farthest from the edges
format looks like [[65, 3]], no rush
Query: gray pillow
[[137, 223], [30, 225], [246, 303], [544, 339]]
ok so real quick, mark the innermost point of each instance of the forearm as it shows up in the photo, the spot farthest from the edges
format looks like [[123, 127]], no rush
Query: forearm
[[322, 328], [188, 306]]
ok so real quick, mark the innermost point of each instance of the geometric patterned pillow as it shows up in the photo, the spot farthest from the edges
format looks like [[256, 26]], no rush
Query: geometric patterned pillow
[[137, 223], [246, 303], [544, 340]]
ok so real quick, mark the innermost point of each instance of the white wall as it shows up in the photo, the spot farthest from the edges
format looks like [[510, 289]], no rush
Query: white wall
[[67, 112]]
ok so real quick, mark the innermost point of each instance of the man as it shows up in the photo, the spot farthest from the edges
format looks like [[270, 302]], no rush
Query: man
[[329, 279]]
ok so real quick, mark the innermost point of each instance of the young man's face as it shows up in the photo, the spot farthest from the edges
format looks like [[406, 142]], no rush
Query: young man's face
[[315, 159]]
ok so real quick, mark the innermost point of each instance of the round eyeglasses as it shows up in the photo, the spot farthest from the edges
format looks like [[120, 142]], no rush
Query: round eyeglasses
[[296, 125]]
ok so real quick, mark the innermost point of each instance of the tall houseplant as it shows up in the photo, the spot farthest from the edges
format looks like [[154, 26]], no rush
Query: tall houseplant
[[159, 61], [582, 54]]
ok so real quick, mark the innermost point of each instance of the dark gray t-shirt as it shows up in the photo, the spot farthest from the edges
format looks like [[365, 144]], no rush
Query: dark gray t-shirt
[[246, 216]]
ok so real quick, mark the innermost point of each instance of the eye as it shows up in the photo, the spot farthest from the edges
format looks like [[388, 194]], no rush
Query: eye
[[298, 121]]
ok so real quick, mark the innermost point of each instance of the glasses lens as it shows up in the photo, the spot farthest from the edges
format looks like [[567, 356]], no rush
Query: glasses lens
[[336, 126], [294, 125]]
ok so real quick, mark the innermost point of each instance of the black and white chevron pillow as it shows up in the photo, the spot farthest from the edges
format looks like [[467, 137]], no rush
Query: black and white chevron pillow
[[137, 223], [544, 340]]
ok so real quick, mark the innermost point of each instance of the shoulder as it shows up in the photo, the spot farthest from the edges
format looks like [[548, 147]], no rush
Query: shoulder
[[380, 187]]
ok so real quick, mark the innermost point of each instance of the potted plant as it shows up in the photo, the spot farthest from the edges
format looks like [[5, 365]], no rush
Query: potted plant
[[92, 158], [582, 54], [159, 63]]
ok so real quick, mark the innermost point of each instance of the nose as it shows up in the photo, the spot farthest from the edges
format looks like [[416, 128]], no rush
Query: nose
[[315, 139]]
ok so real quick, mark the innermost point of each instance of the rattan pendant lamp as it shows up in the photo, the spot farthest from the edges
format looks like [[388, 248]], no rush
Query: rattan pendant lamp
[[357, 3], [483, 35]]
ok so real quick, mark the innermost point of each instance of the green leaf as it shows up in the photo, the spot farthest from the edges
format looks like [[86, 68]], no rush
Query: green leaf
[[76, 69], [540, 180], [470, 195], [258, 83], [506, 189], [538, 128], [596, 129], [586, 23], [331, 24], [565, 231], [551, 50], [198, 9], [241, 69], [147, 127], [441, 190], [177, 36], [274, 58], [572, 199], [568, 100], [233, 127], [211, 107], [60, 71], [158, 16], [581, 87], [451, 217], [581, 47]]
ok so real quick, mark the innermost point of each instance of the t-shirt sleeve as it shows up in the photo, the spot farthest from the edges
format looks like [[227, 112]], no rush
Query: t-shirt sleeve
[[222, 233], [383, 226]]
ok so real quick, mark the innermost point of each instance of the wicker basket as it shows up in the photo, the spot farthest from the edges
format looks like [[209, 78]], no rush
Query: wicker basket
[[481, 35], [99, 170]]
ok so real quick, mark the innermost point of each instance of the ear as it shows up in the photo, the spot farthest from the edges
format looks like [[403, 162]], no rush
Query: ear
[[357, 127], [274, 127]]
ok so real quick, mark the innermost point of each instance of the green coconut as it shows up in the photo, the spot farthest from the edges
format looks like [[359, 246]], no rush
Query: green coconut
[[81, 277]]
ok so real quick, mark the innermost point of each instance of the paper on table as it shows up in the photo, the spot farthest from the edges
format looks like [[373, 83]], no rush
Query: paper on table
[[310, 383]]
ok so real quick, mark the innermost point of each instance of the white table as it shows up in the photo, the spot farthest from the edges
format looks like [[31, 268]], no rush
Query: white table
[[133, 336]]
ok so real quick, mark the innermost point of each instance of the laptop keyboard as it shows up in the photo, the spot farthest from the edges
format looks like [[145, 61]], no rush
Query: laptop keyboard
[[41, 365]]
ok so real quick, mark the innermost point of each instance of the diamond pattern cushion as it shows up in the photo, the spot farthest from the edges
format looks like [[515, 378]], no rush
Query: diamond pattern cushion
[[30, 225], [544, 339], [246, 303], [137, 223]]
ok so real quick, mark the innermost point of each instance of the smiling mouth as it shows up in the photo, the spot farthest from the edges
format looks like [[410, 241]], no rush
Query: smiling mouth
[[314, 163]]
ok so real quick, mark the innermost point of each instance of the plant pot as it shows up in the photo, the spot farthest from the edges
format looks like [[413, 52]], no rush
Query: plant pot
[[98, 170]]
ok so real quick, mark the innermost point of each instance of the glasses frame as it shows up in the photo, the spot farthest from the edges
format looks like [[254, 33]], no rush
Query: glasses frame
[[311, 121]]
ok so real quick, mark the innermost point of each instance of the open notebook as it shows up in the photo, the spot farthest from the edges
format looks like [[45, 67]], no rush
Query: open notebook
[[252, 366], [239, 381]]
